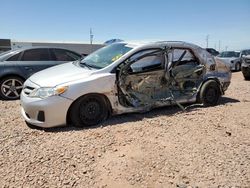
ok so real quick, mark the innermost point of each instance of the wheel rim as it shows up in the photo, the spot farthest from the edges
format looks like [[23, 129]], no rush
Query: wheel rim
[[11, 88], [238, 67], [211, 95], [90, 110]]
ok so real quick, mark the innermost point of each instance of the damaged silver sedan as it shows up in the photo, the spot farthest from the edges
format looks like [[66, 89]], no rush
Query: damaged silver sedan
[[122, 78]]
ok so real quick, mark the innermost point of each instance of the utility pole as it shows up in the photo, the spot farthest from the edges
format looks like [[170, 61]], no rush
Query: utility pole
[[91, 36], [207, 37], [219, 45]]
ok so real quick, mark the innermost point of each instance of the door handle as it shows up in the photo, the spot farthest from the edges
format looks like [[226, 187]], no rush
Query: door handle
[[28, 68]]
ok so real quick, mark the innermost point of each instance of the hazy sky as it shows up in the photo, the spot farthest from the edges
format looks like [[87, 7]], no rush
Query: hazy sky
[[131, 20]]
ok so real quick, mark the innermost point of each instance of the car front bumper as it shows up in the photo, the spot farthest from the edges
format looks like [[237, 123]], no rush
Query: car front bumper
[[246, 70], [46, 113]]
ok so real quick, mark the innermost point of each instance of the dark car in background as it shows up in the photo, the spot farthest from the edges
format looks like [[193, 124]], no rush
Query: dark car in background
[[18, 65], [212, 51], [245, 64], [245, 68]]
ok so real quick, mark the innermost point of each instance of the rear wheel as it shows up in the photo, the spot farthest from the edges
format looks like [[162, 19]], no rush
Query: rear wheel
[[88, 111], [210, 93], [11, 87]]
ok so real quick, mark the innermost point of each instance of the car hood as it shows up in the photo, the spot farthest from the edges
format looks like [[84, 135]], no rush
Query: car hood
[[247, 57], [60, 74], [228, 59]]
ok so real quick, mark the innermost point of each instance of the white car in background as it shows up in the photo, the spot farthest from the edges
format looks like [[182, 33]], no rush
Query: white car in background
[[232, 59]]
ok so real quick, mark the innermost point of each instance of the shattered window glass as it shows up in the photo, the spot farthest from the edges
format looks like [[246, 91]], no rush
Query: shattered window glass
[[147, 63]]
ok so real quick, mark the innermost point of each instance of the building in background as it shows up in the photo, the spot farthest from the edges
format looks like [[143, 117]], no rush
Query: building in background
[[5, 45], [82, 48]]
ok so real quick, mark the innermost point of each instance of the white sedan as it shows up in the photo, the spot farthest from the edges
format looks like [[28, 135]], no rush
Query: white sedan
[[122, 78], [232, 59]]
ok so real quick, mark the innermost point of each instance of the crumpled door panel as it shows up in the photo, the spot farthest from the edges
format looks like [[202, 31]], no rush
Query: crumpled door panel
[[145, 88]]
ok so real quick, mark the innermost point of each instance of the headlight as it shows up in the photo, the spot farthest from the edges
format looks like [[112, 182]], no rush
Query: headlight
[[45, 92]]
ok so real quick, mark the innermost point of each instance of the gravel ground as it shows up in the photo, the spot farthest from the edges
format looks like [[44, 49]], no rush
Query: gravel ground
[[203, 147]]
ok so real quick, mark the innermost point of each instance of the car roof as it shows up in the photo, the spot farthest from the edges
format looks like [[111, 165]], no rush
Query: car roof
[[160, 44], [9, 53], [229, 51], [38, 47], [245, 50]]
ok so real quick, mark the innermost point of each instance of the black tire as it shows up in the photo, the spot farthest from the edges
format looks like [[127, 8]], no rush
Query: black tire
[[88, 111], [247, 77], [11, 87], [210, 93], [246, 73]]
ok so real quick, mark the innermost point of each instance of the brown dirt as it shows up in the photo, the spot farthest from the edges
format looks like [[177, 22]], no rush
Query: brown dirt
[[203, 147]]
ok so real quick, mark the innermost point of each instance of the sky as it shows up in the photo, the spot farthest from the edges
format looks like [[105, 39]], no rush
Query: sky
[[227, 21]]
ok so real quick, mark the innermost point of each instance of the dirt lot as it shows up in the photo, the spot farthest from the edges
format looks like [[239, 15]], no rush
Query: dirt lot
[[203, 147]]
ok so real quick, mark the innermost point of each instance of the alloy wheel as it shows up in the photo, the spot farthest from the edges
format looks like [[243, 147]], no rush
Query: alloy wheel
[[11, 88]]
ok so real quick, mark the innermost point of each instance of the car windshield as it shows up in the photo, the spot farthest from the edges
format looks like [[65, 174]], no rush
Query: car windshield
[[229, 54], [237, 54], [106, 55]]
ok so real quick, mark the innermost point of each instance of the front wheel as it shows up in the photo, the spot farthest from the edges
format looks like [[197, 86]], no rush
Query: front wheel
[[88, 111], [11, 87], [210, 93]]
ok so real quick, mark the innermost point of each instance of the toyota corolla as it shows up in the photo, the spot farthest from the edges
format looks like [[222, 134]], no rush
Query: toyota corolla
[[123, 78]]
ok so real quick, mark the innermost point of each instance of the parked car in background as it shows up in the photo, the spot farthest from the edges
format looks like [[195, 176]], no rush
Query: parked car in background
[[245, 66], [111, 41], [17, 65], [232, 59], [212, 51], [244, 52], [123, 78]]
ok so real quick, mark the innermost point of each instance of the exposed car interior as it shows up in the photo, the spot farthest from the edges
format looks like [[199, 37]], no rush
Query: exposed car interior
[[149, 76]]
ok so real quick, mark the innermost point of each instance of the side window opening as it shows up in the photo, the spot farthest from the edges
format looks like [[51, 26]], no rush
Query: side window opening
[[152, 62], [73, 55], [40, 54], [14, 57], [183, 56], [185, 64], [144, 61], [64, 55]]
